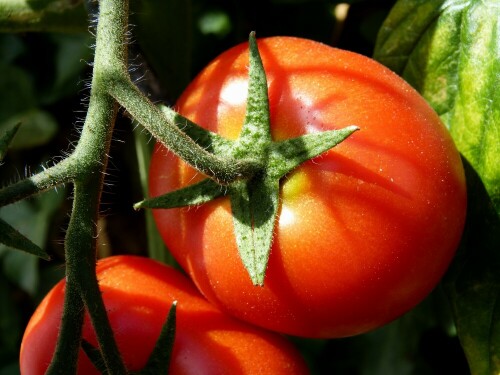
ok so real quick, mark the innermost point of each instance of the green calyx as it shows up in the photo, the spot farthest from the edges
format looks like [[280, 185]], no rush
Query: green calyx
[[255, 199]]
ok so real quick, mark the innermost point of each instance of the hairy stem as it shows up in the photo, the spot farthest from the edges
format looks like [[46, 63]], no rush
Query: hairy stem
[[68, 342], [92, 155], [223, 170], [59, 174]]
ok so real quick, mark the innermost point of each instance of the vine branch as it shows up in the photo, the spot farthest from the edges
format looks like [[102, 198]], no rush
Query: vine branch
[[222, 169]]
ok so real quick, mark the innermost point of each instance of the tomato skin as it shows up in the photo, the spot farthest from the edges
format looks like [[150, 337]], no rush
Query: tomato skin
[[138, 293], [365, 231]]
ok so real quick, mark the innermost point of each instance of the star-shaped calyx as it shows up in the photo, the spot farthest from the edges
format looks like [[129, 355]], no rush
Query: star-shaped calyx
[[254, 200]]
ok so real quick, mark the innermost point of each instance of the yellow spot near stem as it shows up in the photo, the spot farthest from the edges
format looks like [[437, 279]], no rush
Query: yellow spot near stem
[[295, 184]]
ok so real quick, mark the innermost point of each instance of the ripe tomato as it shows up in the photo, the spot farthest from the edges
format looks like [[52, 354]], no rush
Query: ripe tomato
[[364, 232], [138, 293]]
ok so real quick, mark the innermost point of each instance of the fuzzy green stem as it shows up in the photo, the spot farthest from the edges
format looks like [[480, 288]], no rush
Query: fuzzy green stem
[[59, 174], [92, 155], [68, 342], [223, 170], [81, 240]]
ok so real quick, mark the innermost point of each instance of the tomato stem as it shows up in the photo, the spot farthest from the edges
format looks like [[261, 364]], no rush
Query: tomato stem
[[91, 155], [223, 169]]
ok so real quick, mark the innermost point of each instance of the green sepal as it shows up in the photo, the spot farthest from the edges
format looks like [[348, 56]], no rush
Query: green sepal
[[159, 360], [254, 203], [12, 238], [210, 141], [6, 139], [199, 193], [255, 136], [255, 208], [289, 154]]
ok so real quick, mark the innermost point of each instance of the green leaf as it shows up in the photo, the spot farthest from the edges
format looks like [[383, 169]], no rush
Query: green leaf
[[10, 369], [421, 342], [473, 282], [32, 218], [69, 60], [449, 50], [143, 147], [43, 15], [215, 22], [23, 269], [38, 128], [11, 47], [17, 92], [6, 139], [18, 104]]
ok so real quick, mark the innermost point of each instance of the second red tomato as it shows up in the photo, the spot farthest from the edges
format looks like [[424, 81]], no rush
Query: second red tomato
[[138, 293]]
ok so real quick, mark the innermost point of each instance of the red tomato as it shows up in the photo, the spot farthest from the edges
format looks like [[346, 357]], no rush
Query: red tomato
[[365, 231], [138, 293]]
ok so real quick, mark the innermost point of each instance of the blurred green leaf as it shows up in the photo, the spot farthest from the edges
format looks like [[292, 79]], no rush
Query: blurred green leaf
[[473, 284], [215, 22], [42, 15], [29, 85], [11, 47], [449, 50], [32, 218], [9, 321], [144, 146], [6, 139], [22, 268], [37, 128], [403, 347], [18, 104], [163, 32], [70, 59], [16, 92], [396, 347], [10, 369], [50, 275]]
